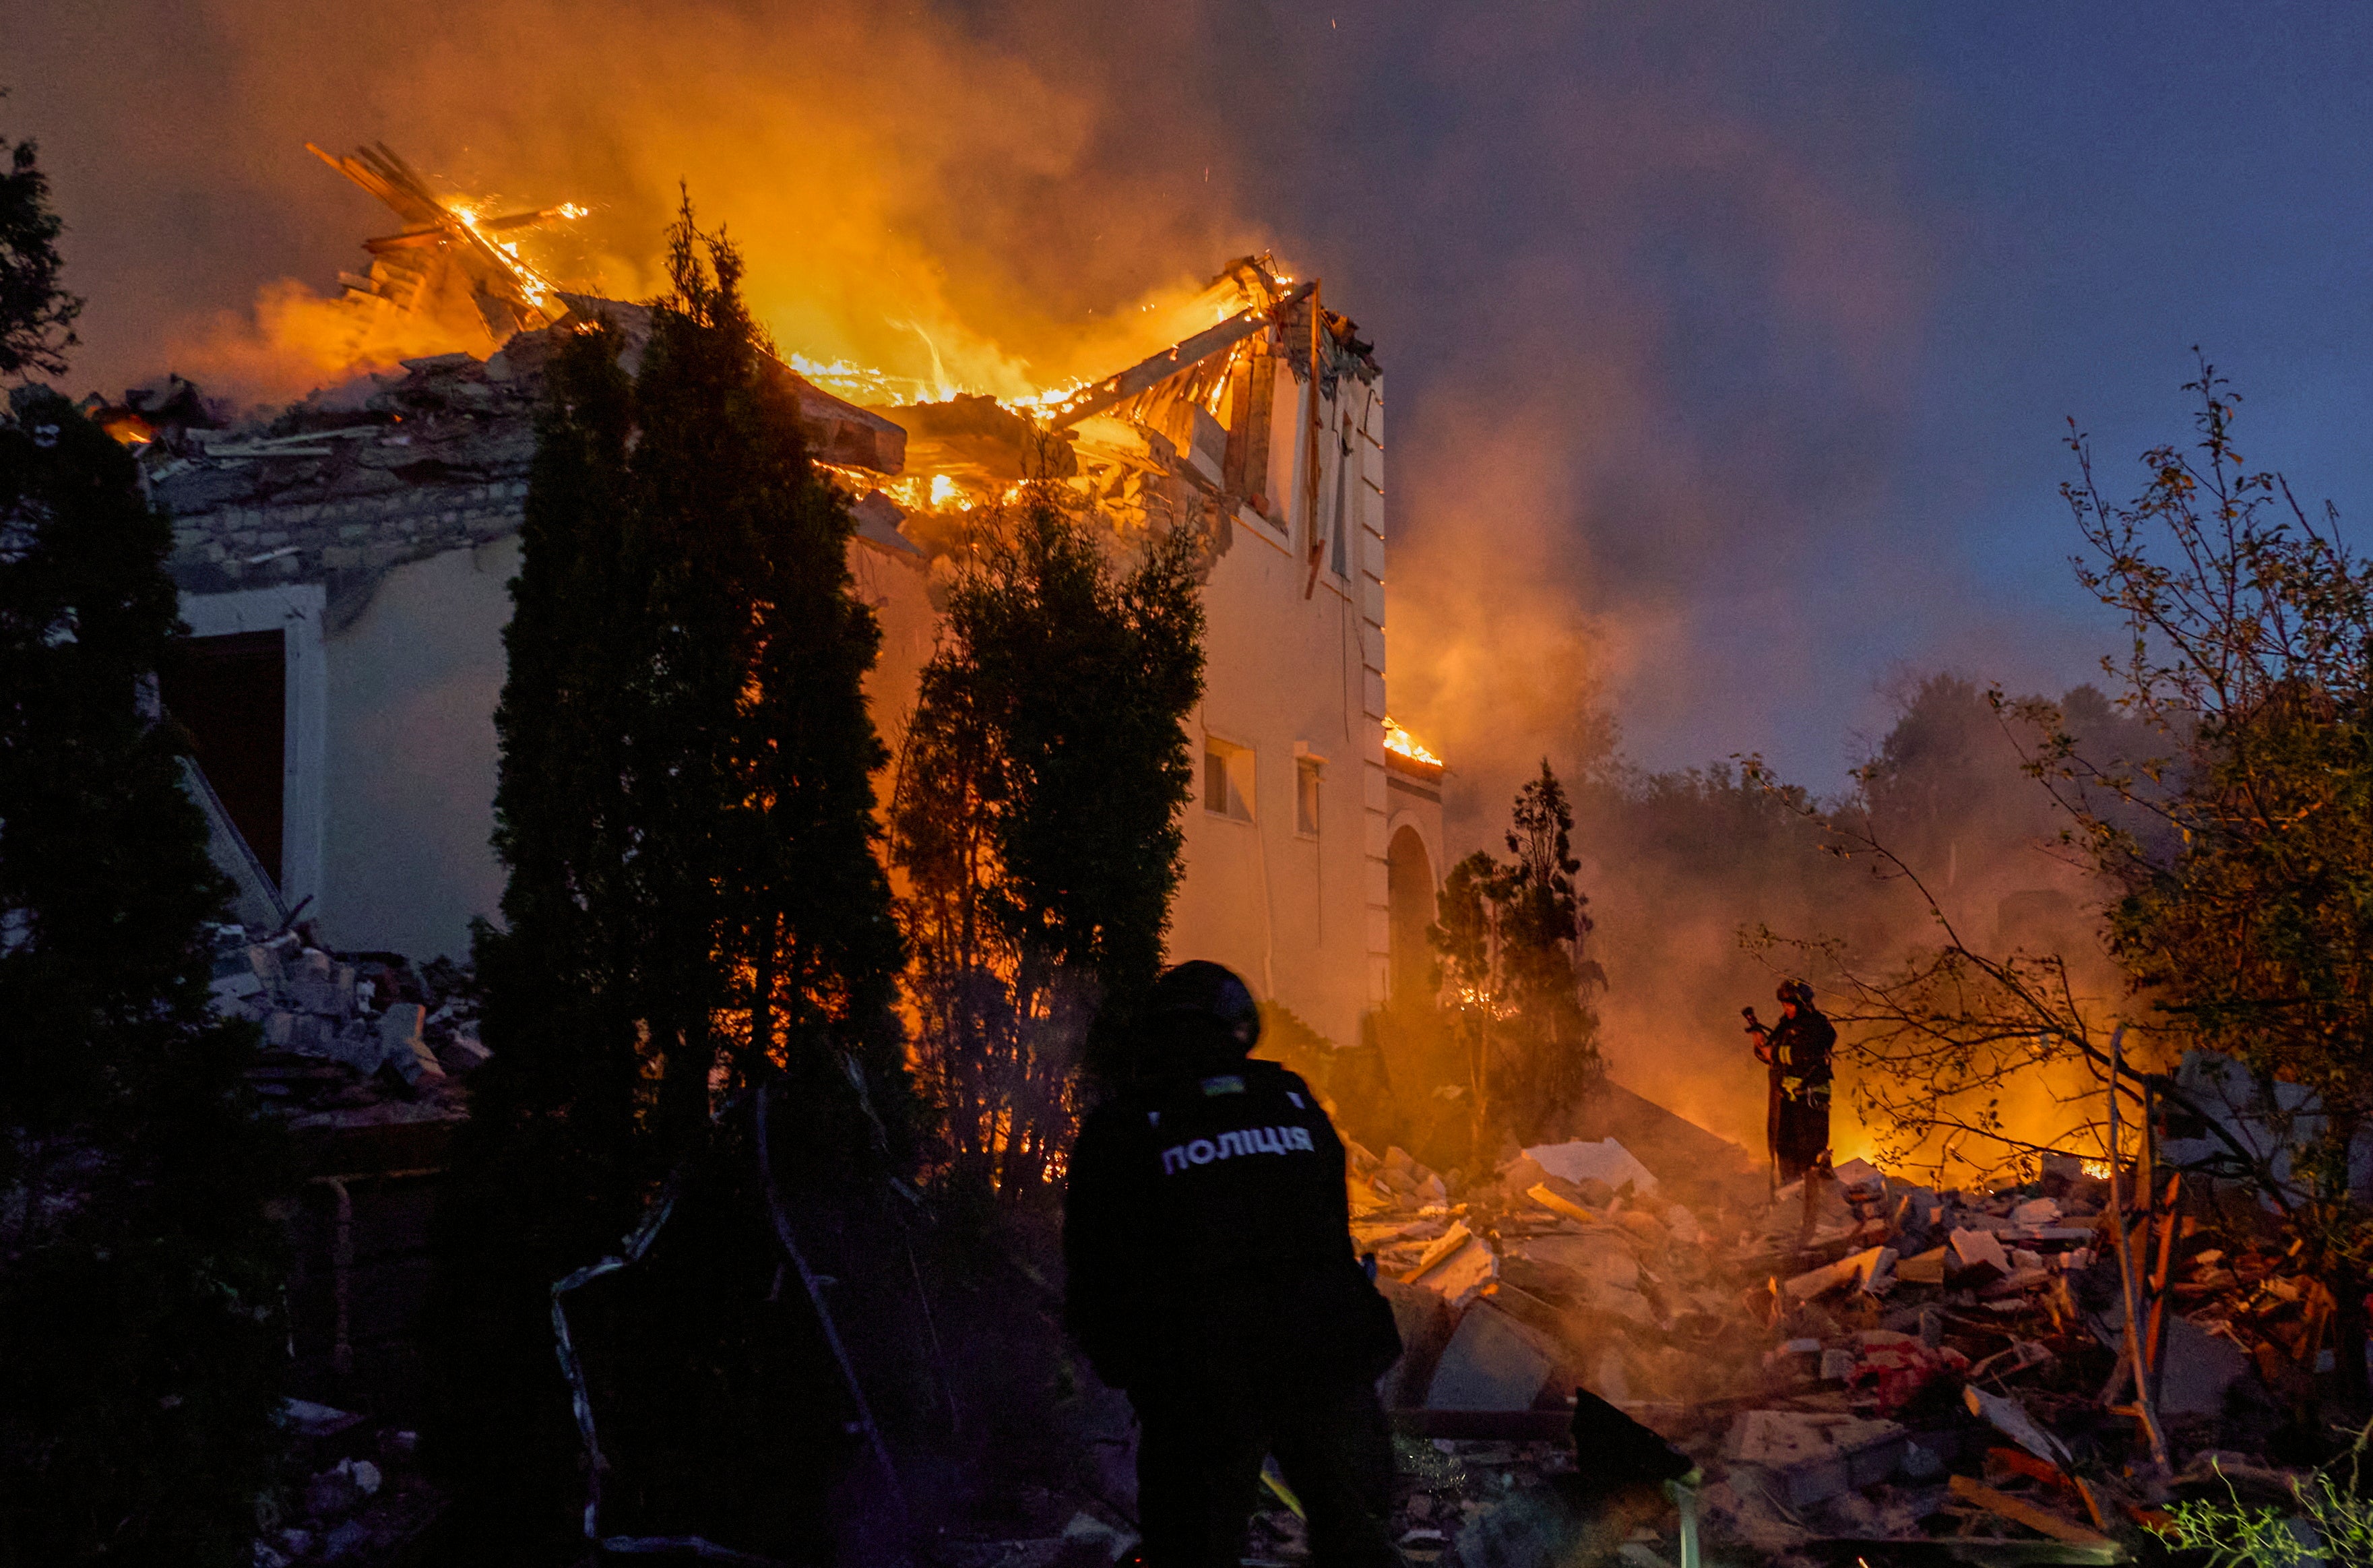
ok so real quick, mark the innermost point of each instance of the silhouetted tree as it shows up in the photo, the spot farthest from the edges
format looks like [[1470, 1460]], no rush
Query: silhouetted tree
[[140, 1277], [1037, 818], [2234, 852], [685, 810], [1510, 937], [36, 315]]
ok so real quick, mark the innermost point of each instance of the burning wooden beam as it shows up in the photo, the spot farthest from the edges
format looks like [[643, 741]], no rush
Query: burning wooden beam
[[1183, 356]]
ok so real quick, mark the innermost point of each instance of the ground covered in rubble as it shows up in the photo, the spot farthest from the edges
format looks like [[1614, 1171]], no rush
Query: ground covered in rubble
[[1856, 1369], [1871, 1371]]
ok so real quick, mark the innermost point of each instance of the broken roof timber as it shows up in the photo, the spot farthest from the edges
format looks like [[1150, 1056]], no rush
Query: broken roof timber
[[1183, 356], [379, 171]]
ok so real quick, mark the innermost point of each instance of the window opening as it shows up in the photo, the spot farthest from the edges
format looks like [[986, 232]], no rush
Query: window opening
[[1227, 779], [1306, 771], [231, 694]]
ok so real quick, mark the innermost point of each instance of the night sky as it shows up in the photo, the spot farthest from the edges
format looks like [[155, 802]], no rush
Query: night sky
[[1729, 349]]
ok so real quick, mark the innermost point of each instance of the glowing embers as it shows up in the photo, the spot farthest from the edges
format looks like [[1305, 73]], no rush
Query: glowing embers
[[1403, 748]]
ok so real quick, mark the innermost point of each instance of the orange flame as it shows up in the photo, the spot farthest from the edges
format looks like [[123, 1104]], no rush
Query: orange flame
[[1400, 742]]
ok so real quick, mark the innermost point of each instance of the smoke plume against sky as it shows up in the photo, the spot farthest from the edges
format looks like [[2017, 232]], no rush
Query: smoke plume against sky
[[1728, 345]]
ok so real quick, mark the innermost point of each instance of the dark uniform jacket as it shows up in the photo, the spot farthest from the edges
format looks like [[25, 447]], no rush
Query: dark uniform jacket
[[1207, 1224], [1799, 1049]]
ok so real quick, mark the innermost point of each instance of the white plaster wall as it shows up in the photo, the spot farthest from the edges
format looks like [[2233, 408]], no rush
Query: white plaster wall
[[898, 589], [412, 684], [410, 760], [400, 762], [1304, 920]]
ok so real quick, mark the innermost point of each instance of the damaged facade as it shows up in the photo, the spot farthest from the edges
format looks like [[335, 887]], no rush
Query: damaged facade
[[344, 572]]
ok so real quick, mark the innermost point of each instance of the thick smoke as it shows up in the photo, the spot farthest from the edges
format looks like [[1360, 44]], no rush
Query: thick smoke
[[1649, 286], [1679, 864], [914, 192]]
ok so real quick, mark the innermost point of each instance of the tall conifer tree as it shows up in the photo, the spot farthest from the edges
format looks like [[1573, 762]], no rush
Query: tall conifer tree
[[140, 1339], [685, 810], [774, 921], [549, 1168], [140, 1277]]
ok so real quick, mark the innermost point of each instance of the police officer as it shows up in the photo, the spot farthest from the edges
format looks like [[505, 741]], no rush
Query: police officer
[[1206, 1236], [1796, 1049]]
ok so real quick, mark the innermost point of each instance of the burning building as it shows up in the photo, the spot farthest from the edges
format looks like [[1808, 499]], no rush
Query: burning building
[[345, 566]]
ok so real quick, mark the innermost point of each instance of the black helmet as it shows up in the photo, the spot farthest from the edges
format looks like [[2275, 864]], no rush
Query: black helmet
[[1200, 990], [1796, 992]]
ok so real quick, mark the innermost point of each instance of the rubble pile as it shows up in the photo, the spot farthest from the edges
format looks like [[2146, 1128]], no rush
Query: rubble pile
[[346, 1037], [362, 1499], [1855, 1363]]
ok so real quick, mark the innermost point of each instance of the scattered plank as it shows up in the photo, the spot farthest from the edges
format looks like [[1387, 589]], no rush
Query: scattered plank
[[2041, 1520]]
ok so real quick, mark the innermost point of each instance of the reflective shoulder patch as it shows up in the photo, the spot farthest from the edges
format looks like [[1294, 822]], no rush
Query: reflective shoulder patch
[[1295, 1098], [1228, 1083]]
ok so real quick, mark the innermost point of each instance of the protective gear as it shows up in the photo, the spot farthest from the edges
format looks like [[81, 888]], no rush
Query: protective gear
[[1207, 1241], [1200, 990], [1797, 1051]]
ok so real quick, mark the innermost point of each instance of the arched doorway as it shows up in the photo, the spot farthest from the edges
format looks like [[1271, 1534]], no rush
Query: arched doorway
[[1408, 883]]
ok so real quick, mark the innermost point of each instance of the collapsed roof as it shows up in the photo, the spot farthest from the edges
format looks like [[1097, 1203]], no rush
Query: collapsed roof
[[356, 479]]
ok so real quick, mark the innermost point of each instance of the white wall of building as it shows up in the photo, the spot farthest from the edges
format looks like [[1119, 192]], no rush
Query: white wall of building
[[414, 681], [392, 770], [1304, 918]]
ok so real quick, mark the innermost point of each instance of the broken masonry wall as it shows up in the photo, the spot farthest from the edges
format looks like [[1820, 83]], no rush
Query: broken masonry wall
[[383, 553]]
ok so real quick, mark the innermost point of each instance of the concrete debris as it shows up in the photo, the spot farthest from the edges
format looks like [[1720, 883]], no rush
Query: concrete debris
[[462, 1054], [1871, 1269], [404, 1052], [339, 1489], [2010, 1418], [1461, 1272], [1605, 1161], [1926, 1268], [2196, 1368], [1973, 1257], [348, 1039], [1860, 1179], [2036, 1212], [1805, 1458], [1492, 1363], [364, 1498], [2017, 1281], [315, 1423], [1859, 1360]]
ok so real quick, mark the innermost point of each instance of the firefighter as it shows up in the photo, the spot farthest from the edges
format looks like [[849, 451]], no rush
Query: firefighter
[[1206, 1236], [1796, 1049]]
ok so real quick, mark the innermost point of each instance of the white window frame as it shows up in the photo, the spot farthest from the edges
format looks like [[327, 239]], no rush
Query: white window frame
[[294, 611]]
